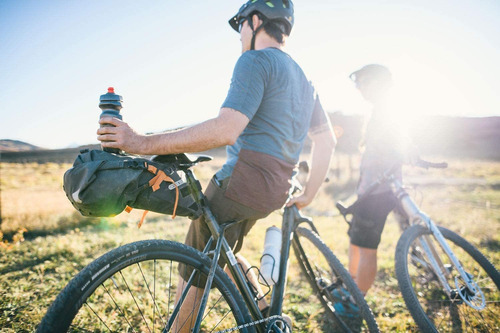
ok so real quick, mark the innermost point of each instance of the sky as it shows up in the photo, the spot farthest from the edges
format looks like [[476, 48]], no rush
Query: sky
[[172, 61]]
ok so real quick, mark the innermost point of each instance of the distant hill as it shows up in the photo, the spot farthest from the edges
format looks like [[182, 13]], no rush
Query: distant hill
[[45, 155], [436, 135], [15, 145]]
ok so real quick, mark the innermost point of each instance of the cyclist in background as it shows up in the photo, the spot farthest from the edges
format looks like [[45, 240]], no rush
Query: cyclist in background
[[384, 145], [269, 110]]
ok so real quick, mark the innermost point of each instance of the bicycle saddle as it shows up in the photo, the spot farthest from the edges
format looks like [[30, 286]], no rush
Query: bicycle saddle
[[184, 161]]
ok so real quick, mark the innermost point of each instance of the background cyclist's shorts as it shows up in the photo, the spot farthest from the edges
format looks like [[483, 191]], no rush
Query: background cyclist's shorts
[[369, 219], [224, 210]]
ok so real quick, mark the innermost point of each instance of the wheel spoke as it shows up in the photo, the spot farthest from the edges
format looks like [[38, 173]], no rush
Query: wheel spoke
[[117, 306], [155, 305], [99, 317], [189, 317], [220, 321], [135, 301], [129, 290], [169, 291]]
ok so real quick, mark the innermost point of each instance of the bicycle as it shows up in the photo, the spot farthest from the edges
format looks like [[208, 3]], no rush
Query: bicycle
[[447, 284], [131, 288]]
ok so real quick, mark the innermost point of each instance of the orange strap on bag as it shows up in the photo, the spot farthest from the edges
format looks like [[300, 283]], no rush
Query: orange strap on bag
[[155, 183]]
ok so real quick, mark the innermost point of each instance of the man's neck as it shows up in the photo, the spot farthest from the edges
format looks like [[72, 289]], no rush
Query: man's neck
[[263, 41]]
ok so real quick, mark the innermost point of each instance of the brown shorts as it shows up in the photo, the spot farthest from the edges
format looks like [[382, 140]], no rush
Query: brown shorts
[[224, 210]]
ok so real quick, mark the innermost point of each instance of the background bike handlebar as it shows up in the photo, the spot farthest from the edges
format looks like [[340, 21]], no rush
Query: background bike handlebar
[[426, 165]]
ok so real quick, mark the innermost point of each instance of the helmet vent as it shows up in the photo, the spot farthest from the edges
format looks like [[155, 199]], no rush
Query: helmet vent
[[270, 4], [286, 4]]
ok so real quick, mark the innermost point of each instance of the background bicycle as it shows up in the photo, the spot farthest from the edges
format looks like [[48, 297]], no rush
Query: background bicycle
[[447, 284]]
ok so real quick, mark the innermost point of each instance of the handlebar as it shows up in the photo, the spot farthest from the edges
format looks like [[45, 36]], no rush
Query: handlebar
[[426, 165]]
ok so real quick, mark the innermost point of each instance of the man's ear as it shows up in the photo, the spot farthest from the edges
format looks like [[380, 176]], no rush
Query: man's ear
[[256, 21]]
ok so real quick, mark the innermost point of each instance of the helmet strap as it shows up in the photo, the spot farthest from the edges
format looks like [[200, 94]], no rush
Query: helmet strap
[[254, 32]]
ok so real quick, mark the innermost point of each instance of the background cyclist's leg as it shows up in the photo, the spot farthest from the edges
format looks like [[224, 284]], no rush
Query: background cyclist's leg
[[365, 233], [362, 266], [353, 260]]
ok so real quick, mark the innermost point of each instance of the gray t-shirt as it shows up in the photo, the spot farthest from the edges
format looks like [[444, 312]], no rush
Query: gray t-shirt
[[270, 88]]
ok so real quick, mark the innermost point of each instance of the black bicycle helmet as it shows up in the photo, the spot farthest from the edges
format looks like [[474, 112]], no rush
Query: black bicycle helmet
[[272, 10], [375, 71]]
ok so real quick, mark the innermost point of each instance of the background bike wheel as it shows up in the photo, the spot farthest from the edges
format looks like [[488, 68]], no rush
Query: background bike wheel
[[132, 289], [327, 276], [431, 308]]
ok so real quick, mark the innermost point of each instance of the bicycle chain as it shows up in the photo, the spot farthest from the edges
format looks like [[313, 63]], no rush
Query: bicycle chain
[[253, 323]]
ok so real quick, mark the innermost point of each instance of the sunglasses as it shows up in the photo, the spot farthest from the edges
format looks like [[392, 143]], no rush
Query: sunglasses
[[240, 23]]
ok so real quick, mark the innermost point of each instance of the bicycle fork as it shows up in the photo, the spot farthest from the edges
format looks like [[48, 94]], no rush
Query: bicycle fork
[[471, 287], [435, 261]]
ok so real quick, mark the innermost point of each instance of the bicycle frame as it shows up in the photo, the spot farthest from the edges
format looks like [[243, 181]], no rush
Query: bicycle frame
[[291, 219]]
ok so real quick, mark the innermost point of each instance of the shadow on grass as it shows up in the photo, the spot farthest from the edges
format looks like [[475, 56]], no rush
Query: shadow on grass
[[63, 223], [68, 223], [67, 254], [491, 244]]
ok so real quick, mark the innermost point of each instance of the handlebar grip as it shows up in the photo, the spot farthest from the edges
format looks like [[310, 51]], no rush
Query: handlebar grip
[[427, 165], [442, 165]]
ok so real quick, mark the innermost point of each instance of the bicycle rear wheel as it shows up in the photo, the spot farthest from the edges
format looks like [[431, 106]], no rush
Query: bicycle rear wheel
[[432, 309], [342, 306], [132, 289]]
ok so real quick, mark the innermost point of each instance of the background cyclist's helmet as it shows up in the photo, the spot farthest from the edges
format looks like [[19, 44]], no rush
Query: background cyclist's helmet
[[273, 10], [372, 71]]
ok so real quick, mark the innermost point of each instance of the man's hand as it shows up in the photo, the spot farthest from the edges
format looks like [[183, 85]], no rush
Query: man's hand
[[121, 136], [301, 201]]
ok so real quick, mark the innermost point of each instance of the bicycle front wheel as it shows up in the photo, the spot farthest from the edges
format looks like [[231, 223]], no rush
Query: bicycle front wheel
[[430, 306], [132, 289], [341, 307]]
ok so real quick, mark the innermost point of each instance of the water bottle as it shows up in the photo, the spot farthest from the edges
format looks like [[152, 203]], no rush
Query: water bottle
[[111, 105], [270, 260]]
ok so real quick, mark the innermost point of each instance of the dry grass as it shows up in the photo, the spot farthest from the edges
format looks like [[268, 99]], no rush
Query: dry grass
[[465, 198]]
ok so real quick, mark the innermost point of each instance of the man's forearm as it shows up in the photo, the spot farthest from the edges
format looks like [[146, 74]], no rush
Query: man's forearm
[[197, 138], [213, 133], [322, 151]]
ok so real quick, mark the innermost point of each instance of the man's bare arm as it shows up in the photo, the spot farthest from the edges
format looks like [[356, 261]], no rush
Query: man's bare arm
[[220, 131], [324, 143]]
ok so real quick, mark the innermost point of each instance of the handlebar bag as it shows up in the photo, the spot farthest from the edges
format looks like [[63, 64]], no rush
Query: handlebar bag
[[103, 184]]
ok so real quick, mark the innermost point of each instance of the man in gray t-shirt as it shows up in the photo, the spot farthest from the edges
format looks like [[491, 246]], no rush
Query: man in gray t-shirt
[[270, 109]]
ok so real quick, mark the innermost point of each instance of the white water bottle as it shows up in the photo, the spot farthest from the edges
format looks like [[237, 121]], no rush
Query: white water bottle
[[270, 260]]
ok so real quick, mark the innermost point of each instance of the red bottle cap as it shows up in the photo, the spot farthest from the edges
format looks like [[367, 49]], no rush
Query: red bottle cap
[[111, 90]]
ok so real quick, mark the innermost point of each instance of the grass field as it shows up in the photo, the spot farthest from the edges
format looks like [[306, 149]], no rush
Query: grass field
[[45, 242]]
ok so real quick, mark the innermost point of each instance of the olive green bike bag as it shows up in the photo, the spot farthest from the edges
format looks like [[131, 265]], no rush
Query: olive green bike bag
[[104, 184]]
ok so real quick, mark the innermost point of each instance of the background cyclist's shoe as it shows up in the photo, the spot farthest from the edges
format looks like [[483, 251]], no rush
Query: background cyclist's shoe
[[347, 310], [344, 304]]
